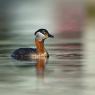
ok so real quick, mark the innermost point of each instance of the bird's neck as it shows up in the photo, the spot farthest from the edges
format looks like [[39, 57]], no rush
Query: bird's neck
[[40, 46]]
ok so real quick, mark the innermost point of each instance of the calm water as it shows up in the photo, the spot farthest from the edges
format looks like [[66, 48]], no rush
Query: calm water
[[58, 75], [61, 74]]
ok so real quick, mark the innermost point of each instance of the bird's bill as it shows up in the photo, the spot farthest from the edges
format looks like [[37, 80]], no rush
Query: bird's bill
[[51, 36]]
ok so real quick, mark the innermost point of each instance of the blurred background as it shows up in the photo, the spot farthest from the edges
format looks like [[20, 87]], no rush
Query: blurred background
[[70, 67]]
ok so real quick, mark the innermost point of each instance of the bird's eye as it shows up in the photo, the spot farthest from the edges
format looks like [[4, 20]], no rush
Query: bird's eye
[[45, 33]]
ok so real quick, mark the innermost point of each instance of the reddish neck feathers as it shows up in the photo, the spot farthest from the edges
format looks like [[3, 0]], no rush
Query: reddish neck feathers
[[40, 46]]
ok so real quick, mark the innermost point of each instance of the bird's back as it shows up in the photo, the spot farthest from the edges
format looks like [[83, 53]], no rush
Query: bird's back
[[23, 53]]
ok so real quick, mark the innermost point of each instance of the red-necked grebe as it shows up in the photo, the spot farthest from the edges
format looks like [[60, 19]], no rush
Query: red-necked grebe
[[34, 53]]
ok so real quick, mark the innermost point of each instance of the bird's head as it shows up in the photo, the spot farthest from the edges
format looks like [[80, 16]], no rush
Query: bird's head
[[43, 34]]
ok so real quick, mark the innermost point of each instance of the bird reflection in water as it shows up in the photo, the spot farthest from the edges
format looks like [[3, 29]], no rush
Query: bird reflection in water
[[40, 66]]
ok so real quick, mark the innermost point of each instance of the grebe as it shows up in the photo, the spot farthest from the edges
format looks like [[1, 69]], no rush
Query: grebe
[[34, 53]]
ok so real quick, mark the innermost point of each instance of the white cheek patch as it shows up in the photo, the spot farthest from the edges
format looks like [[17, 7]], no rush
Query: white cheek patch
[[40, 35]]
